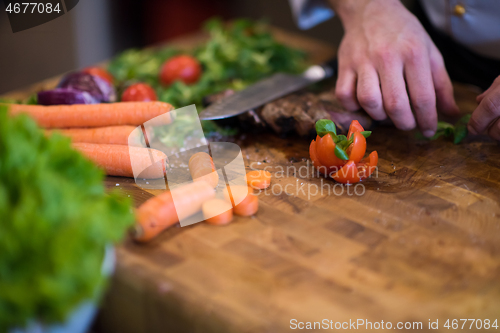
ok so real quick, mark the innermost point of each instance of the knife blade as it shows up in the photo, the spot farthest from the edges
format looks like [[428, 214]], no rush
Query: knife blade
[[267, 90]]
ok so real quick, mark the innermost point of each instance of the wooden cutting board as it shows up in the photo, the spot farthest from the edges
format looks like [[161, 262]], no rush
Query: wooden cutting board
[[418, 242]]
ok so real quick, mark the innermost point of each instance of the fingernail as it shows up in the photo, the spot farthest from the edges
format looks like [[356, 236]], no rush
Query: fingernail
[[471, 130], [428, 133]]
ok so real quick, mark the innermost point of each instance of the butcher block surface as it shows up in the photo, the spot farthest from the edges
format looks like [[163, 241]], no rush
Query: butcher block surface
[[421, 242]]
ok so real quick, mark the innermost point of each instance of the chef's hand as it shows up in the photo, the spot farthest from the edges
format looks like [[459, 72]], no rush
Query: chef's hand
[[388, 62], [486, 117]]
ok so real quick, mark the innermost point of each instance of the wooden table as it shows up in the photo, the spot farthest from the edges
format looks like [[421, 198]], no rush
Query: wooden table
[[421, 243]]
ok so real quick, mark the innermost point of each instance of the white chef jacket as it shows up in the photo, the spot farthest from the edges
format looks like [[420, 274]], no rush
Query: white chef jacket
[[472, 23]]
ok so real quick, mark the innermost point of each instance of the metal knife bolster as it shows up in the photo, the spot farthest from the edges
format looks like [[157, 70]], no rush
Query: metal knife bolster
[[267, 90]]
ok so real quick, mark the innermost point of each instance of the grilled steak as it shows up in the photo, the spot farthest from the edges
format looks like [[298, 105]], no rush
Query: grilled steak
[[298, 112]]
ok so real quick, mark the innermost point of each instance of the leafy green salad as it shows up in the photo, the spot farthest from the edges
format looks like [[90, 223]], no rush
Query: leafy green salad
[[55, 222], [233, 57]]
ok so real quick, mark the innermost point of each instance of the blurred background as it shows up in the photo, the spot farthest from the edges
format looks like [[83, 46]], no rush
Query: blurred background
[[98, 29]]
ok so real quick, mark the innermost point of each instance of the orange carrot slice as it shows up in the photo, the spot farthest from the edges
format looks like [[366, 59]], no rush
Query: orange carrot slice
[[202, 168], [94, 115], [259, 179], [160, 212], [217, 212], [116, 159], [248, 207], [244, 202]]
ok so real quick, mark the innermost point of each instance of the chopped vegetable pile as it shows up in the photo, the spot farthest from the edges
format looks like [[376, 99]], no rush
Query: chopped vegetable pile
[[55, 222], [233, 57]]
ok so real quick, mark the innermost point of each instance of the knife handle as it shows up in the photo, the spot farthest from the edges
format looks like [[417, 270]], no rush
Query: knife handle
[[330, 67]]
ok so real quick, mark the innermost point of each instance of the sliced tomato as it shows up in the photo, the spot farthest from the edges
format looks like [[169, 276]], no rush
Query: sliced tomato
[[325, 147], [314, 157], [357, 149], [313, 154], [368, 165], [354, 127], [348, 174]]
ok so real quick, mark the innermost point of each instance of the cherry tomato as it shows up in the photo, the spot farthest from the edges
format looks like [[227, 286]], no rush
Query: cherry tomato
[[182, 67], [357, 149], [139, 92], [100, 72], [348, 174], [368, 165], [325, 148], [354, 127]]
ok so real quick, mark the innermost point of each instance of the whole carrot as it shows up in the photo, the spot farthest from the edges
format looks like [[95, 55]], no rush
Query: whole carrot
[[115, 135], [201, 167], [116, 159], [94, 115], [160, 212]]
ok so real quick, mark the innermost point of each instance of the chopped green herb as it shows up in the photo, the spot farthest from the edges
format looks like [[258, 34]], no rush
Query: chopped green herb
[[458, 131], [366, 134], [340, 153], [325, 126]]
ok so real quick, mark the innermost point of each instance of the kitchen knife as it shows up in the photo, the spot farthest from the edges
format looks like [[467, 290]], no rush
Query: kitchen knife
[[267, 90]]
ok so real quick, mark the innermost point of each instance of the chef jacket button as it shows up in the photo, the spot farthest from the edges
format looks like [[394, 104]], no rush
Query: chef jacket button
[[459, 10]]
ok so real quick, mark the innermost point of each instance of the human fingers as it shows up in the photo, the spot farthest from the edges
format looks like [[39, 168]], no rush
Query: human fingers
[[368, 92], [421, 88], [486, 113], [345, 89], [394, 94], [442, 84]]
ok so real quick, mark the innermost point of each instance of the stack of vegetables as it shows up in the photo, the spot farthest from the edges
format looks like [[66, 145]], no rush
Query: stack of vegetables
[[82, 108], [342, 157]]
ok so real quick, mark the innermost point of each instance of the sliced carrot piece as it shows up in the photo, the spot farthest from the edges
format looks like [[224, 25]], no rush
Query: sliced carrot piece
[[238, 193], [248, 207], [160, 212], [217, 212], [202, 168], [259, 179], [245, 203]]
